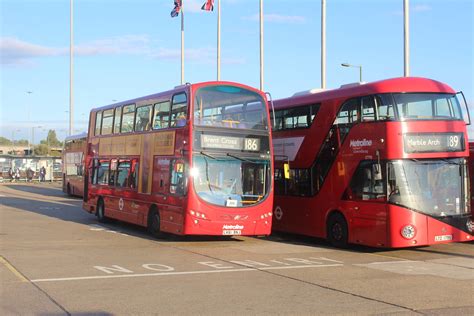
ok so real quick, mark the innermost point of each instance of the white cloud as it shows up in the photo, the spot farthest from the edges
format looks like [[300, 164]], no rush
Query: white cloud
[[420, 8], [278, 18], [415, 9], [18, 52], [128, 44]]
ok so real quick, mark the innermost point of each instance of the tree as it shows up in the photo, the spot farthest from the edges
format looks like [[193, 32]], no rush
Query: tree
[[5, 141], [21, 142], [52, 140], [41, 150]]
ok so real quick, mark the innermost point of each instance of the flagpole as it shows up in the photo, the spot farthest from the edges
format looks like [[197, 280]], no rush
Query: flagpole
[[323, 44], [406, 32], [182, 42], [71, 67], [261, 45], [218, 40]]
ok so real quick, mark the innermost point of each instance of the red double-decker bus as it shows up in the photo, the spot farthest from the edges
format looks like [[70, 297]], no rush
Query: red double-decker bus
[[196, 160], [381, 164], [471, 172], [73, 164]]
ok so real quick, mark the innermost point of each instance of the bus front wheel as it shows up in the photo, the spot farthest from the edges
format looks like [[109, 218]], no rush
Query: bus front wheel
[[100, 212], [337, 231], [154, 222]]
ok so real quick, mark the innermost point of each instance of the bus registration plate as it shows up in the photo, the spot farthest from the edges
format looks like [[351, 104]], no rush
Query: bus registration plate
[[443, 237], [231, 232]]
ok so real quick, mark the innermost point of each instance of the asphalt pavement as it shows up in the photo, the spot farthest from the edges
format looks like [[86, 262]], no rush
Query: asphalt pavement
[[56, 259]]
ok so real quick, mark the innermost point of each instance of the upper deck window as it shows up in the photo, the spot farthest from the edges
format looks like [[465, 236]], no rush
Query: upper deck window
[[230, 107], [298, 117], [349, 113], [117, 121], [179, 110], [162, 115], [128, 118], [107, 122], [98, 122], [143, 118], [427, 106]]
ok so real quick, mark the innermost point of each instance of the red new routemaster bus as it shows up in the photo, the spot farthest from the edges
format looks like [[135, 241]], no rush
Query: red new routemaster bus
[[196, 160], [73, 164], [382, 164], [471, 172]]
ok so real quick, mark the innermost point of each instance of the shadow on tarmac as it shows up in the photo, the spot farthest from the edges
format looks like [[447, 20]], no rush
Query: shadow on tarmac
[[70, 209], [37, 188], [322, 243]]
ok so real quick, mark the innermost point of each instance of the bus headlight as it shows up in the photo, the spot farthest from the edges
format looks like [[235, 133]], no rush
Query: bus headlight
[[198, 214], [470, 225], [408, 231]]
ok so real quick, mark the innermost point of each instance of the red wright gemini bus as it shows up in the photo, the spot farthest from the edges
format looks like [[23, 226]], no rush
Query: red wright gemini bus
[[73, 164], [382, 164], [196, 160]]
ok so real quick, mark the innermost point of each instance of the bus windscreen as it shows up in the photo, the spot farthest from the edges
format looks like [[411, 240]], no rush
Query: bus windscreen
[[230, 107]]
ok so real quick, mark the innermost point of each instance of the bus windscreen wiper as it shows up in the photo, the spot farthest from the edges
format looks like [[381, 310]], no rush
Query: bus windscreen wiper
[[238, 158], [209, 156]]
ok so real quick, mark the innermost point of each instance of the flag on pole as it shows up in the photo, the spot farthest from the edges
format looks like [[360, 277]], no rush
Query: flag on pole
[[176, 9], [208, 5]]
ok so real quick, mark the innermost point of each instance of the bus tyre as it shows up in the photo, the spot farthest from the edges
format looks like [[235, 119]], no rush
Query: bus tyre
[[100, 212], [68, 190], [154, 223], [337, 232]]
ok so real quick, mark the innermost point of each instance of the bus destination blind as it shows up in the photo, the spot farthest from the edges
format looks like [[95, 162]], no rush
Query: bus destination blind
[[229, 142], [433, 142]]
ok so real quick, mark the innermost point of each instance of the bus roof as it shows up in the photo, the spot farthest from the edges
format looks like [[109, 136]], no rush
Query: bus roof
[[402, 84], [75, 137], [169, 93]]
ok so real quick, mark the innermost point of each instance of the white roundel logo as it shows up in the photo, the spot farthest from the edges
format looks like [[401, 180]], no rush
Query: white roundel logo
[[121, 204], [278, 213]]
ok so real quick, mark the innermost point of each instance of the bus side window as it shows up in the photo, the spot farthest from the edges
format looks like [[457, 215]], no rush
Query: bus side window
[[117, 120], [133, 181], [123, 170], [368, 109], [142, 119], [103, 172], [179, 109], [162, 115], [384, 107], [94, 170], [128, 118], [368, 183], [113, 172], [178, 178], [98, 122]]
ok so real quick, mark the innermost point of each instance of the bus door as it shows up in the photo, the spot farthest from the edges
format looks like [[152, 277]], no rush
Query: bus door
[[124, 181], [366, 203]]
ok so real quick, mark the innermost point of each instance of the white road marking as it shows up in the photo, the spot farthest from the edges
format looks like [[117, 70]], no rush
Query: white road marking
[[430, 267], [98, 277], [98, 228]]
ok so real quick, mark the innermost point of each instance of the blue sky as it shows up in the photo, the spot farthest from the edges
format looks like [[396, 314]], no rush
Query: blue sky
[[130, 48]]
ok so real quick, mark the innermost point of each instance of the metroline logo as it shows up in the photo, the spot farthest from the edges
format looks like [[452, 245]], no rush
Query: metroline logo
[[233, 227], [361, 143]]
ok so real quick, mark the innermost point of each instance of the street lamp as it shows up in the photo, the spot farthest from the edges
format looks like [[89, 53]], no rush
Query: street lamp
[[356, 66], [28, 116], [33, 137], [13, 140]]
